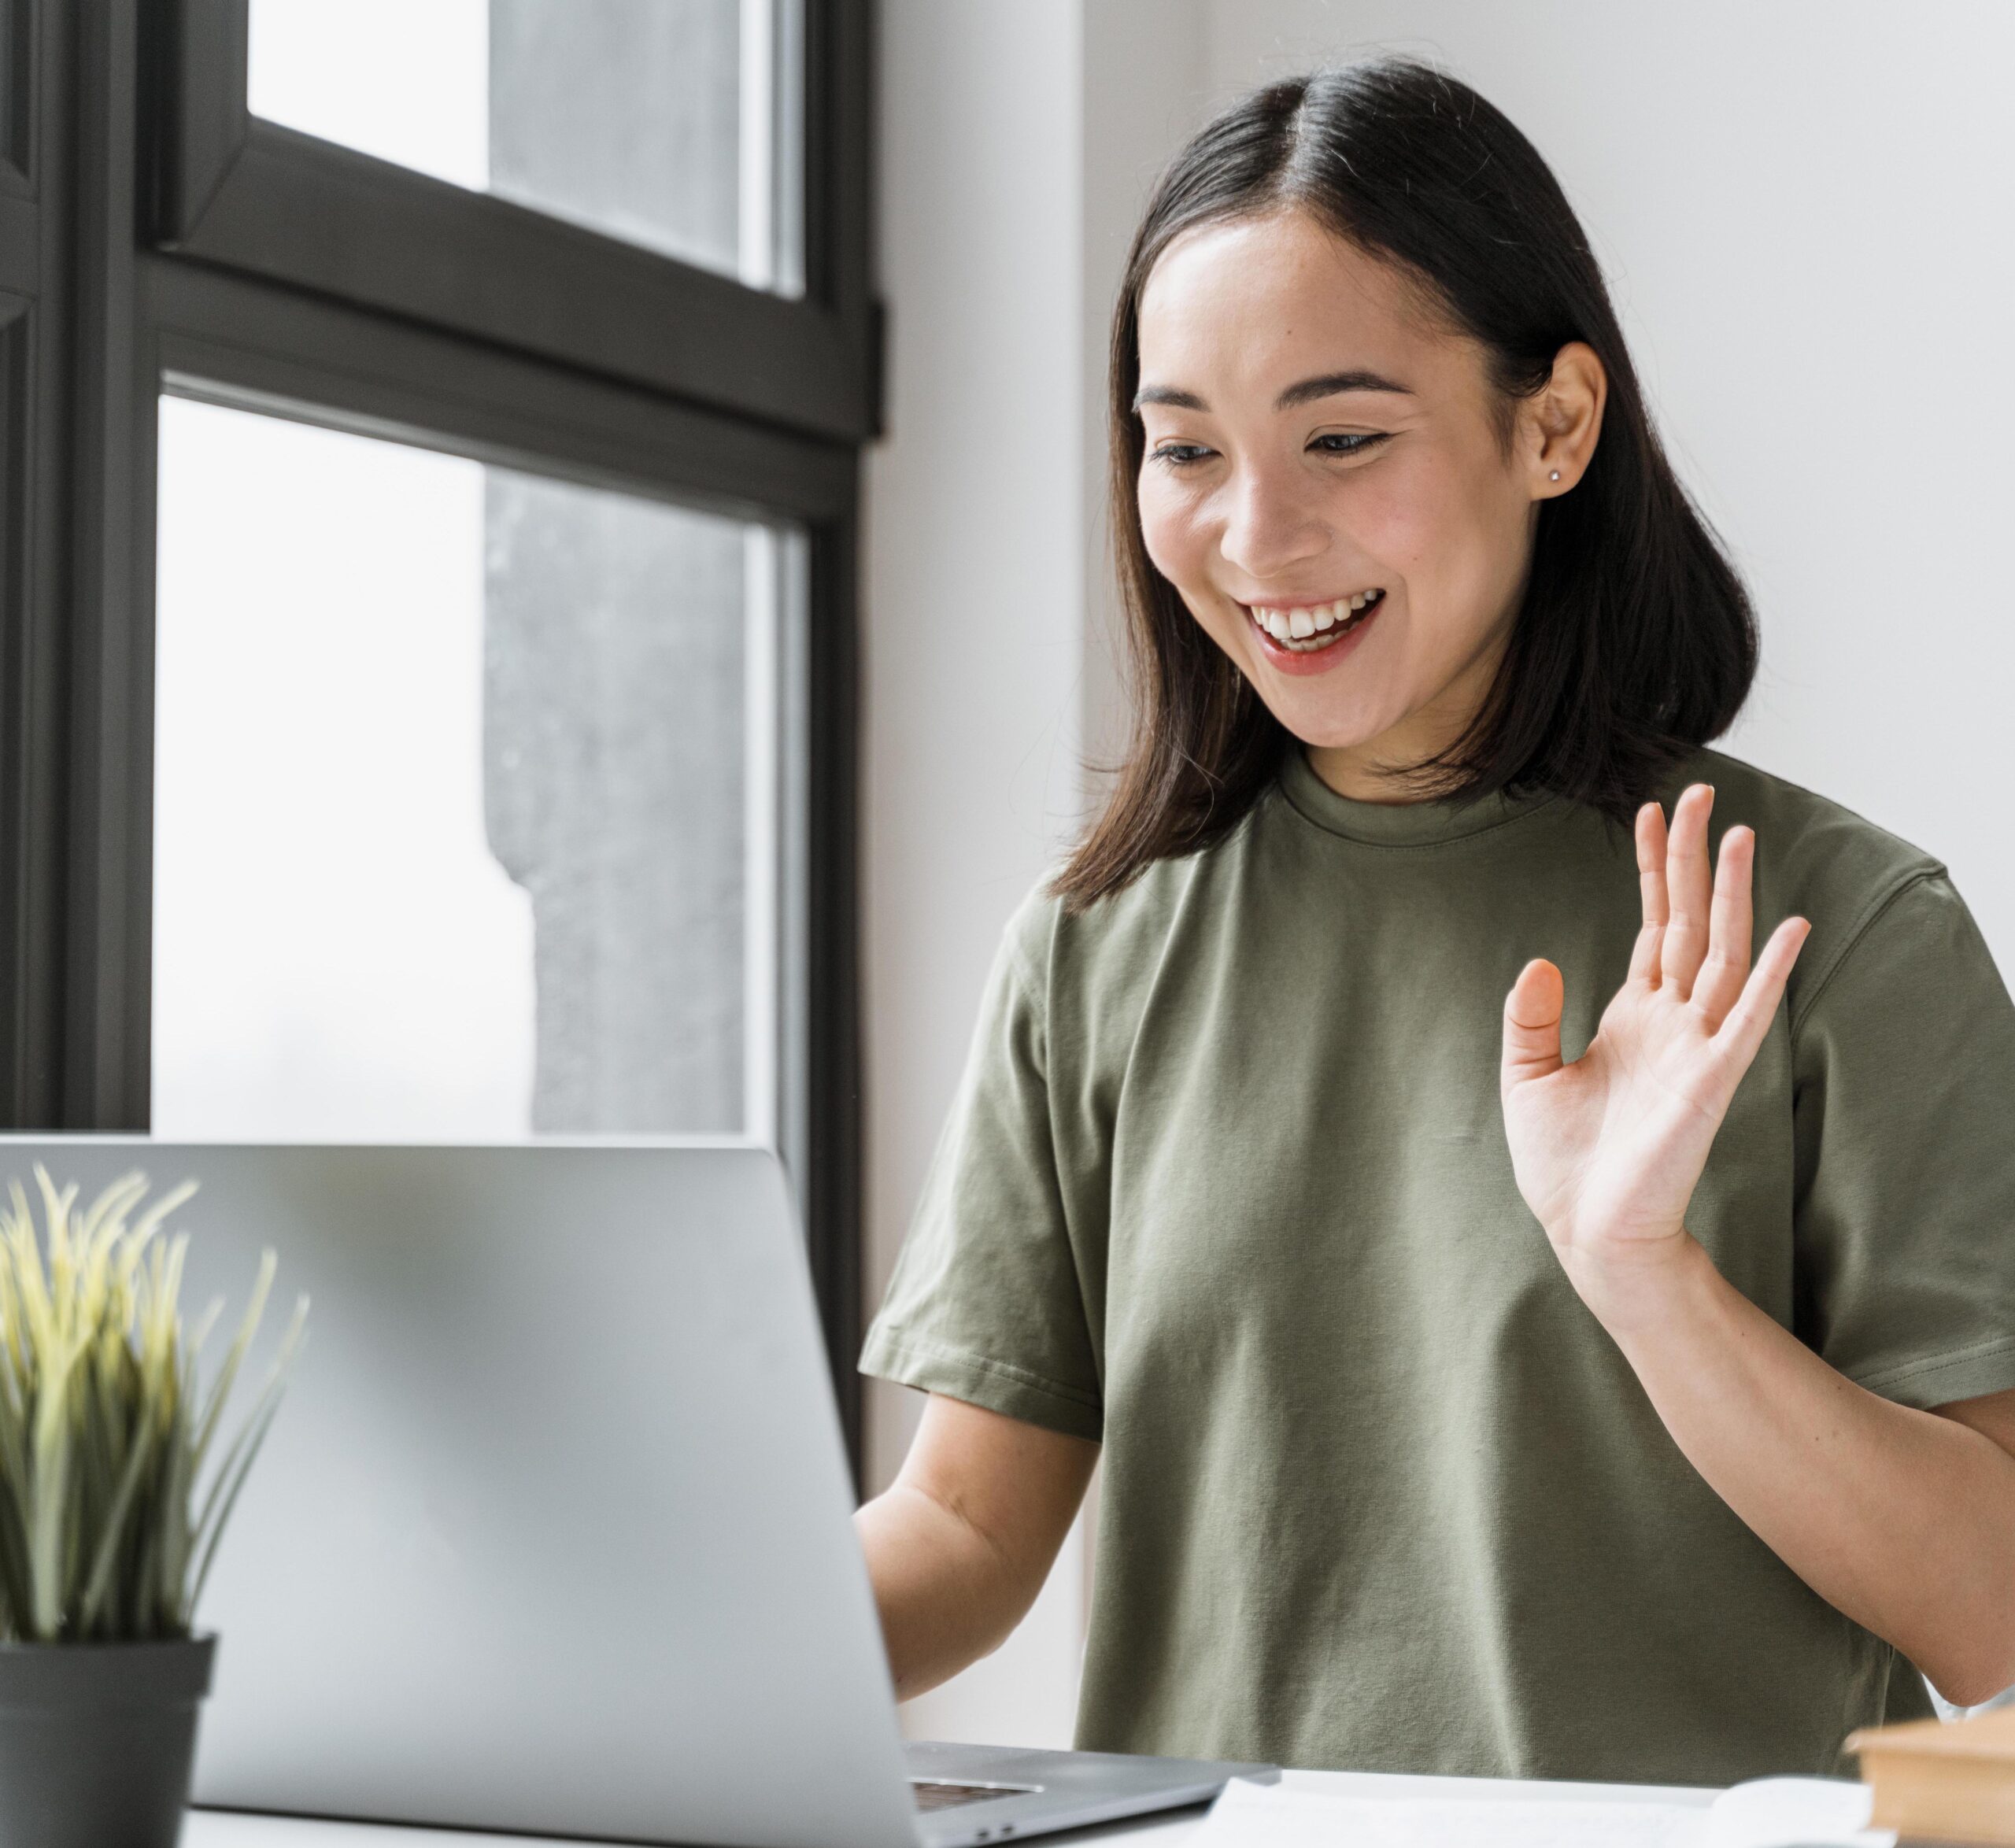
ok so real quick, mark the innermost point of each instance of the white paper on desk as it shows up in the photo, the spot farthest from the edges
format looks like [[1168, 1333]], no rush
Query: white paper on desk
[[1768, 1813], [1773, 1811]]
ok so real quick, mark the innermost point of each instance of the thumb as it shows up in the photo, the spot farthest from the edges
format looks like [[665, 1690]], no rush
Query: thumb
[[1532, 1024]]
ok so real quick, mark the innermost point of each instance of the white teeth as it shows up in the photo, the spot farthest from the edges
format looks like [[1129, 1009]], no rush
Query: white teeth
[[1314, 626]]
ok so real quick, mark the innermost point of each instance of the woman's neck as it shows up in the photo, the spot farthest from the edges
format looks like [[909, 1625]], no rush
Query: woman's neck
[[1363, 772]]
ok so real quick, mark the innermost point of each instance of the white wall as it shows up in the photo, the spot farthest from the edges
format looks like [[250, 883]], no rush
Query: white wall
[[1008, 189], [1143, 94], [1802, 210], [974, 610]]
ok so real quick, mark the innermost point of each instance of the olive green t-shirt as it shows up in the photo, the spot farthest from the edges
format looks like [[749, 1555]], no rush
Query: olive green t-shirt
[[1226, 1186]]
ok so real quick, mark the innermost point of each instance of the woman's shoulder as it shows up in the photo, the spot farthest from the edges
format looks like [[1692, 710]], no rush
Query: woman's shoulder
[[1816, 859], [1801, 817], [1109, 945]]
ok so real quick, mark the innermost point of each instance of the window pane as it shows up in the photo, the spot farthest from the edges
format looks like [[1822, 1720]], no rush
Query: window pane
[[475, 803], [669, 124]]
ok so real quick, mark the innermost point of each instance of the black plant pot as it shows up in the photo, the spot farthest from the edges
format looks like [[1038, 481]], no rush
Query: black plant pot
[[97, 1740]]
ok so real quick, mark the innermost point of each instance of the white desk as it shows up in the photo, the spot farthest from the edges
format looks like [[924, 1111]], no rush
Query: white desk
[[208, 1829]]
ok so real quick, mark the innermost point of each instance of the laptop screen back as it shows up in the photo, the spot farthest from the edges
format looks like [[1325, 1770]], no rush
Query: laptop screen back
[[553, 1532]]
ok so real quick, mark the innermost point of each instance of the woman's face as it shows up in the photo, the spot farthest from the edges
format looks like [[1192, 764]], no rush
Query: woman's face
[[1323, 484]]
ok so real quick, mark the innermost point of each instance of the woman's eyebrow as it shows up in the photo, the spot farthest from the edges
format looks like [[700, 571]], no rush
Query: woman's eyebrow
[[1330, 384], [1327, 385]]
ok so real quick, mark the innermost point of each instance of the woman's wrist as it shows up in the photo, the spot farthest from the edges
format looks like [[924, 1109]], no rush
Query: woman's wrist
[[1637, 1288]]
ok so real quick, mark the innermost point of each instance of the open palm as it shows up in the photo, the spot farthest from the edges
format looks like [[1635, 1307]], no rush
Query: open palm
[[1607, 1151]]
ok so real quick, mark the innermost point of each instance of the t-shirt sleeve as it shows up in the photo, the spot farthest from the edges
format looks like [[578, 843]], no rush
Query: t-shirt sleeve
[[985, 1304], [1905, 1124]]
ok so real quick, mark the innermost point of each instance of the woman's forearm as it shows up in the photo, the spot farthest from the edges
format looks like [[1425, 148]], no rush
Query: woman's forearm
[[959, 1547], [1900, 1519], [945, 1595]]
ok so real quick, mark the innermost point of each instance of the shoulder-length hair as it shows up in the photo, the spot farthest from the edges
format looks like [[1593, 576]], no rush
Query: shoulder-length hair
[[1635, 641]]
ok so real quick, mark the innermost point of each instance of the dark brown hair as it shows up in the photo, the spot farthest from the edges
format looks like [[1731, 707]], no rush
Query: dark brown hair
[[1635, 643]]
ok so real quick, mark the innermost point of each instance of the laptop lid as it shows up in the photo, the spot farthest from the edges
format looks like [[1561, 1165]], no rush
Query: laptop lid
[[552, 1533]]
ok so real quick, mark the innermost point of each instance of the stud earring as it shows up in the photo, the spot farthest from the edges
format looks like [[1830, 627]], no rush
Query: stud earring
[[1555, 475]]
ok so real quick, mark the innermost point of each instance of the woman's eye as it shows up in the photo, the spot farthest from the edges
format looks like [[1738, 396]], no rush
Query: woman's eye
[[1339, 443], [1180, 455]]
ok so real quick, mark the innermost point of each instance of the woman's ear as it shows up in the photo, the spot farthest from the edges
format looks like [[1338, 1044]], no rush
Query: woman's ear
[[1564, 420]]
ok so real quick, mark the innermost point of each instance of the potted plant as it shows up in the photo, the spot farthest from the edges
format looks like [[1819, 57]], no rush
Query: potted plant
[[108, 1515]]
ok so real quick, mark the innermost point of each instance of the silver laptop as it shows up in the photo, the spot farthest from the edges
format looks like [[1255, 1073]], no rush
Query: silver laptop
[[553, 1532]]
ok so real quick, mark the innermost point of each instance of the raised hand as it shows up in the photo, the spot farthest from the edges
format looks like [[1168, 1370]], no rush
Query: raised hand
[[1607, 1151]]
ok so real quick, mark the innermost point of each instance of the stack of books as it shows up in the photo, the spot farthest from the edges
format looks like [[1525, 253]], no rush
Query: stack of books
[[1936, 1781]]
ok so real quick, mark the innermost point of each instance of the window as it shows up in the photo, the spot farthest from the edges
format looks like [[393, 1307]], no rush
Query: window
[[528, 262], [673, 124], [476, 797], [426, 552]]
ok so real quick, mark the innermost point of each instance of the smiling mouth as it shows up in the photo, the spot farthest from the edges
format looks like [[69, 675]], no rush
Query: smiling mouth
[[1310, 629]]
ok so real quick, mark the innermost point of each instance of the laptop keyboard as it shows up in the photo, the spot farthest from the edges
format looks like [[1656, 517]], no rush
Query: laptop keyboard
[[931, 1795]]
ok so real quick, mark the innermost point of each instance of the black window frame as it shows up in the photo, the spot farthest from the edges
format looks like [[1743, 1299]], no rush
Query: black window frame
[[151, 241], [234, 190]]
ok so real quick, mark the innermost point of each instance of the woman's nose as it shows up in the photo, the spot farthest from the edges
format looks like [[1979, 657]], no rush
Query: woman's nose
[[1268, 529]]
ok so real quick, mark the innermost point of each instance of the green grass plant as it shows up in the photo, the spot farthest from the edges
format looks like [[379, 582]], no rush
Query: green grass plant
[[109, 1518]]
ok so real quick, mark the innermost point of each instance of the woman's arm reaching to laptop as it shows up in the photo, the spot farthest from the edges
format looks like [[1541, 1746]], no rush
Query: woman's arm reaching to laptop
[[959, 1544]]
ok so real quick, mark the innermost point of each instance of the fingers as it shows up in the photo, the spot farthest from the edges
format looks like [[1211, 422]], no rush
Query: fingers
[[1651, 883], [1690, 887], [1532, 1024], [1727, 965], [1749, 1020]]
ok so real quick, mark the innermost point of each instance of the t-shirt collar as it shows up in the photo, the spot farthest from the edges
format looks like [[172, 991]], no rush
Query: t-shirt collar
[[1399, 824]]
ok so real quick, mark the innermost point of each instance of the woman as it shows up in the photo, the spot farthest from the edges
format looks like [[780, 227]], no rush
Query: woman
[[1645, 1416]]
